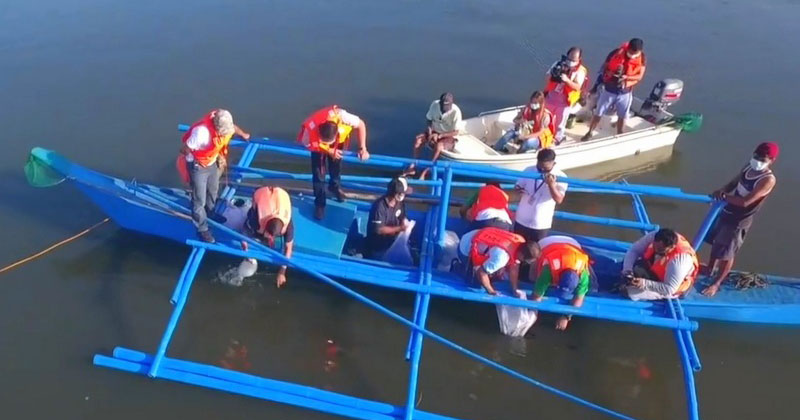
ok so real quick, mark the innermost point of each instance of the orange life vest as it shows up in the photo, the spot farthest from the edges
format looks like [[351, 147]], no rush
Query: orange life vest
[[183, 171], [659, 266], [560, 257], [571, 95], [547, 137], [309, 131], [217, 145], [490, 197], [270, 203], [631, 66], [490, 237]]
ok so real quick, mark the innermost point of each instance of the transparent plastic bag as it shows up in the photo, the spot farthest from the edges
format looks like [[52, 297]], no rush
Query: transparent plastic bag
[[399, 253], [514, 320]]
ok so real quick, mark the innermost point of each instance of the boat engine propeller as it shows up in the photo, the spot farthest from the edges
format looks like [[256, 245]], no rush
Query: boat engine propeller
[[664, 94]]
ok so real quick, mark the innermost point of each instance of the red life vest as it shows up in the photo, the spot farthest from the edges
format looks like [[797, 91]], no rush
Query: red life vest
[[631, 66], [659, 266], [493, 237], [571, 95], [218, 144], [562, 256], [547, 136], [270, 203], [309, 131], [489, 197]]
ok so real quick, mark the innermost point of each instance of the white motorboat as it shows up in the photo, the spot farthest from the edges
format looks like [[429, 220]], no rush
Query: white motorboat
[[648, 127]]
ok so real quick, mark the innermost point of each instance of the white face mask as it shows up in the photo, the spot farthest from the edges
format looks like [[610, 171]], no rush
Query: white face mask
[[535, 106], [758, 165], [633, 55], [400, 197], [572, 63]]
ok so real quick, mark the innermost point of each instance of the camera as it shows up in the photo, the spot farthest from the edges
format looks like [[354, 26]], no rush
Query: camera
[[627, 278], [562, 67]]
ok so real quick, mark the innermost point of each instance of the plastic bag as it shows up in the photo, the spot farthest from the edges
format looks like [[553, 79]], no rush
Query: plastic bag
[[449, 251], [399, 253], [514, 320]]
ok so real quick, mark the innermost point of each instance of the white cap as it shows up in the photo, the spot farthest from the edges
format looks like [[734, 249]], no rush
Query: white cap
[[223, 122]]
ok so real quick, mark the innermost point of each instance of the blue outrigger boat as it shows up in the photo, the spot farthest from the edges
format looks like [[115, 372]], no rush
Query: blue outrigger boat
[[319, 247]]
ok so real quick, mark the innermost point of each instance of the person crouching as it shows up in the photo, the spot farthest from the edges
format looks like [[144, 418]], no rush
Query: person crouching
[[387, 219], [270, 221], [489, 253], [660, 265]]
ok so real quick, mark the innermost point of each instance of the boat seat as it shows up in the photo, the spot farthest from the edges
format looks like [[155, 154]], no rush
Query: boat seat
[[470, 145], [325, 237]]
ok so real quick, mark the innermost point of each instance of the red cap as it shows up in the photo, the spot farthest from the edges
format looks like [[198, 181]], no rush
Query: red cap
[[768, 149]]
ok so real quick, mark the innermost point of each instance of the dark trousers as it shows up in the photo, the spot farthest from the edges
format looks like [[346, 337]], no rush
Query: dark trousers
[[530, 234], [322, 163], [205, 187]]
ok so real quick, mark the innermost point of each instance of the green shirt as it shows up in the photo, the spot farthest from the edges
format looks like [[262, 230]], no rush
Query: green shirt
[[545, 279], [471, 200]]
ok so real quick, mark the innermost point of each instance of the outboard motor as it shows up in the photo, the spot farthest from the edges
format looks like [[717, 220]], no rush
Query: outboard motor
[[664, 94]]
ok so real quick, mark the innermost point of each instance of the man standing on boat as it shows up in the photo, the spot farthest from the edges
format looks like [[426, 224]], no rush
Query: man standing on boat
[[623, 69], [326, 133], [745, 194], [660, 265], [387, 219], [489, 253], [270, 221], [537, 203], [203, 144], [444, 119], [564, 84]]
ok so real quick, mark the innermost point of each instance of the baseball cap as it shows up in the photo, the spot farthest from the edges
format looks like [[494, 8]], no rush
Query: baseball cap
[[768, 149], [567, 284], [398, 185]]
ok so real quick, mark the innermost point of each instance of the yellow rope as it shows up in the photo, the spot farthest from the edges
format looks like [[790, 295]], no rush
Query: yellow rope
[[52, 247]]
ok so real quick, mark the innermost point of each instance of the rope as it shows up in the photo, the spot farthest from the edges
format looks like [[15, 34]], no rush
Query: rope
[[746, 280], [52, 247]]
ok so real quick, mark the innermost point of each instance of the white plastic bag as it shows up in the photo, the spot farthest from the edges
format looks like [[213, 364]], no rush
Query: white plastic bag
[[449, 251], [399, 253], [514, 320]]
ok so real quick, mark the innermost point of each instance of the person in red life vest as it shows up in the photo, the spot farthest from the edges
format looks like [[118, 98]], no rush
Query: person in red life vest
[[533, 127], [745, 194], [270, 220], [623, 69], [489, 253], [562, 264], [203, 144], [660, 265], [488, 207], [326, 133], [564, 84], [444, 120]]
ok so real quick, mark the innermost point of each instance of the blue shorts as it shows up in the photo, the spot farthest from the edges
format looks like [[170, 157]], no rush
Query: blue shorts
[[621, 101]]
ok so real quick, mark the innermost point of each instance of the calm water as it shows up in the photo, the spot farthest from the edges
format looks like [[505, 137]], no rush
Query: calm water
[[105, 82]]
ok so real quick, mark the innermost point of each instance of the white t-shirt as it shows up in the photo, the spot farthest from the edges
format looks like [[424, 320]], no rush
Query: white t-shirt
[[347, 118], [444, 123], [536, 205], [490, 213], [199, 139], [498, 257]]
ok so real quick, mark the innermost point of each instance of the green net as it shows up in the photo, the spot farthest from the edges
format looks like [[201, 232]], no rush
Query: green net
[[690, 121], [39, 174]]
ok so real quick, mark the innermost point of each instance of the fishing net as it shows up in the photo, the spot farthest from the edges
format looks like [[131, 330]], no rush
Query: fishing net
[[690, 122], [40, 174]]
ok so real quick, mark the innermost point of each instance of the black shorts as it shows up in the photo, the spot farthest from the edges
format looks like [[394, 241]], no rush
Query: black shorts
[[726, 239], [530, 234]]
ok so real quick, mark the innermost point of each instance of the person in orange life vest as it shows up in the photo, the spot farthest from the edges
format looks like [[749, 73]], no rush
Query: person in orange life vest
[[660, 265], [623, 69], [326, 133], [564, 83], [488, 207], [270, 220], [488, 253], [533, 127], [202, 146], [564, 265], [444, 119], [745, 195]]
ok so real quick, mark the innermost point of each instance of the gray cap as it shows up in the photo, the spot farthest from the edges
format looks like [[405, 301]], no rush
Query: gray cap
[[223, 122]]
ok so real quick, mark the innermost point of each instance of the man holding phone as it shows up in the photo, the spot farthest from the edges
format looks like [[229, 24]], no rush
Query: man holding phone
[[537, 203]]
